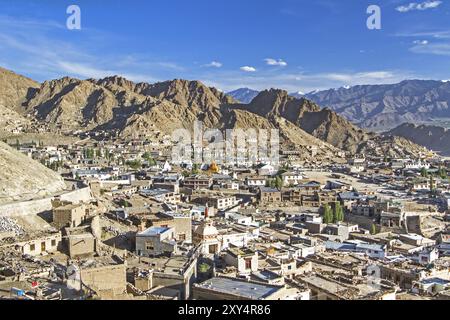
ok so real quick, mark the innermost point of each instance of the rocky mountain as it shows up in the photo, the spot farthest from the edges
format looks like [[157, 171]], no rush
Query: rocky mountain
[[323, 124], [183, 92], [243, 95], [71, 104], [392, 147], [433, 137], [15, 90], [116, 103], [11, 120], [22, 178], [147, 110], [383, 107]]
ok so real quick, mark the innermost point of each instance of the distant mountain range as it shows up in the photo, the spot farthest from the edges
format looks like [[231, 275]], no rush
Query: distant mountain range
[[243, 95], [384, 107], [154, 110]]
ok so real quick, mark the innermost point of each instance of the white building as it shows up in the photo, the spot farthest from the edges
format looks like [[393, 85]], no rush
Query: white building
[[244, 260], [156, 241]]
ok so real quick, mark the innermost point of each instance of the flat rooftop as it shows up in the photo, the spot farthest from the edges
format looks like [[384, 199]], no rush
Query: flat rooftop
[[153, 231], [249, 290]]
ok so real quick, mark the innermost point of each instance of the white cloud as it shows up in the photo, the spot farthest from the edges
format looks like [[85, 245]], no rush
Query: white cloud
[[439, 49], [83, 70], [303, 81], [31, 49], [419, 6], [213, 64], [359, 77], [440, 34], [248, 69], [88, 71], [421, 42], [274, 62]]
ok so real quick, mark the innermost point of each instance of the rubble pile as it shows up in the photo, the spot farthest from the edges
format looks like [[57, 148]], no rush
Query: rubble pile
[[114, 231], [10, 225]]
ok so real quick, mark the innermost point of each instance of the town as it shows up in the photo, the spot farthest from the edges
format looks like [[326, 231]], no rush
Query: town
[[131, 224]]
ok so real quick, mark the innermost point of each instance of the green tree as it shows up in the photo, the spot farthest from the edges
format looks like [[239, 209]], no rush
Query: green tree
[[278, 183], [424, 172], [135, 164], [442, 173], [204, 268], [195, 169], [148, 157], [373, 229], [338, 213], [432, 184], [186, 174], [327, 214]]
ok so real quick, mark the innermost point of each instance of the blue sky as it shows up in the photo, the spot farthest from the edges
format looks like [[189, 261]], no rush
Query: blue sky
[[297, 45]]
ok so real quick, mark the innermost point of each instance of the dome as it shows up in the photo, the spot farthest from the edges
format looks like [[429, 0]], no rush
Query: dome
[[206, 230]]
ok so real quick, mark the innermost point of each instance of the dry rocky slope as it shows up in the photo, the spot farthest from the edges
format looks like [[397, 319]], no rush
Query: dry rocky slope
[[22, 178], [432, 137], [70, 104], [15, 90], [10, 119]]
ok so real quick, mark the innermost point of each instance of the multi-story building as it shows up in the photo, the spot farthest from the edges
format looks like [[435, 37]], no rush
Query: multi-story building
[[269, 195], [198, 182]]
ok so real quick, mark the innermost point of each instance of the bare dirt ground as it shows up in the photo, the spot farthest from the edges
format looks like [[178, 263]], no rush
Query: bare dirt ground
[[323, 177]]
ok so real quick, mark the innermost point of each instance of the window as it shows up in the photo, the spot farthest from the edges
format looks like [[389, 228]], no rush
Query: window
[[32, 247], [248, 263], [213, 249], [53, 243], [149, 246]]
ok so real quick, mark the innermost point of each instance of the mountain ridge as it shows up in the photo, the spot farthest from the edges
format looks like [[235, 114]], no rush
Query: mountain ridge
[[143, 109]]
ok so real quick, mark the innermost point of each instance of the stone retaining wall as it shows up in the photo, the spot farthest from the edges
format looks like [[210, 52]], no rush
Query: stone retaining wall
[[32, 207]]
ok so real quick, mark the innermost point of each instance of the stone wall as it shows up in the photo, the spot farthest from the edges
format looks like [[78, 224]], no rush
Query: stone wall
[[109, 279], [24, 208], [77, 196], [34, 207]]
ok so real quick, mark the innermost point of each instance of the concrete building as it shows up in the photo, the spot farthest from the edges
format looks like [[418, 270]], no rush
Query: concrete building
[[292, 178], [220, 288], [269, 195], [79, 242], [156, 241], [220, 202], [41, 245], [108, 281], [66, 214], [198, 182], [244, 260], [162, 195], [255, 182], [175, 274], [180, 222]]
